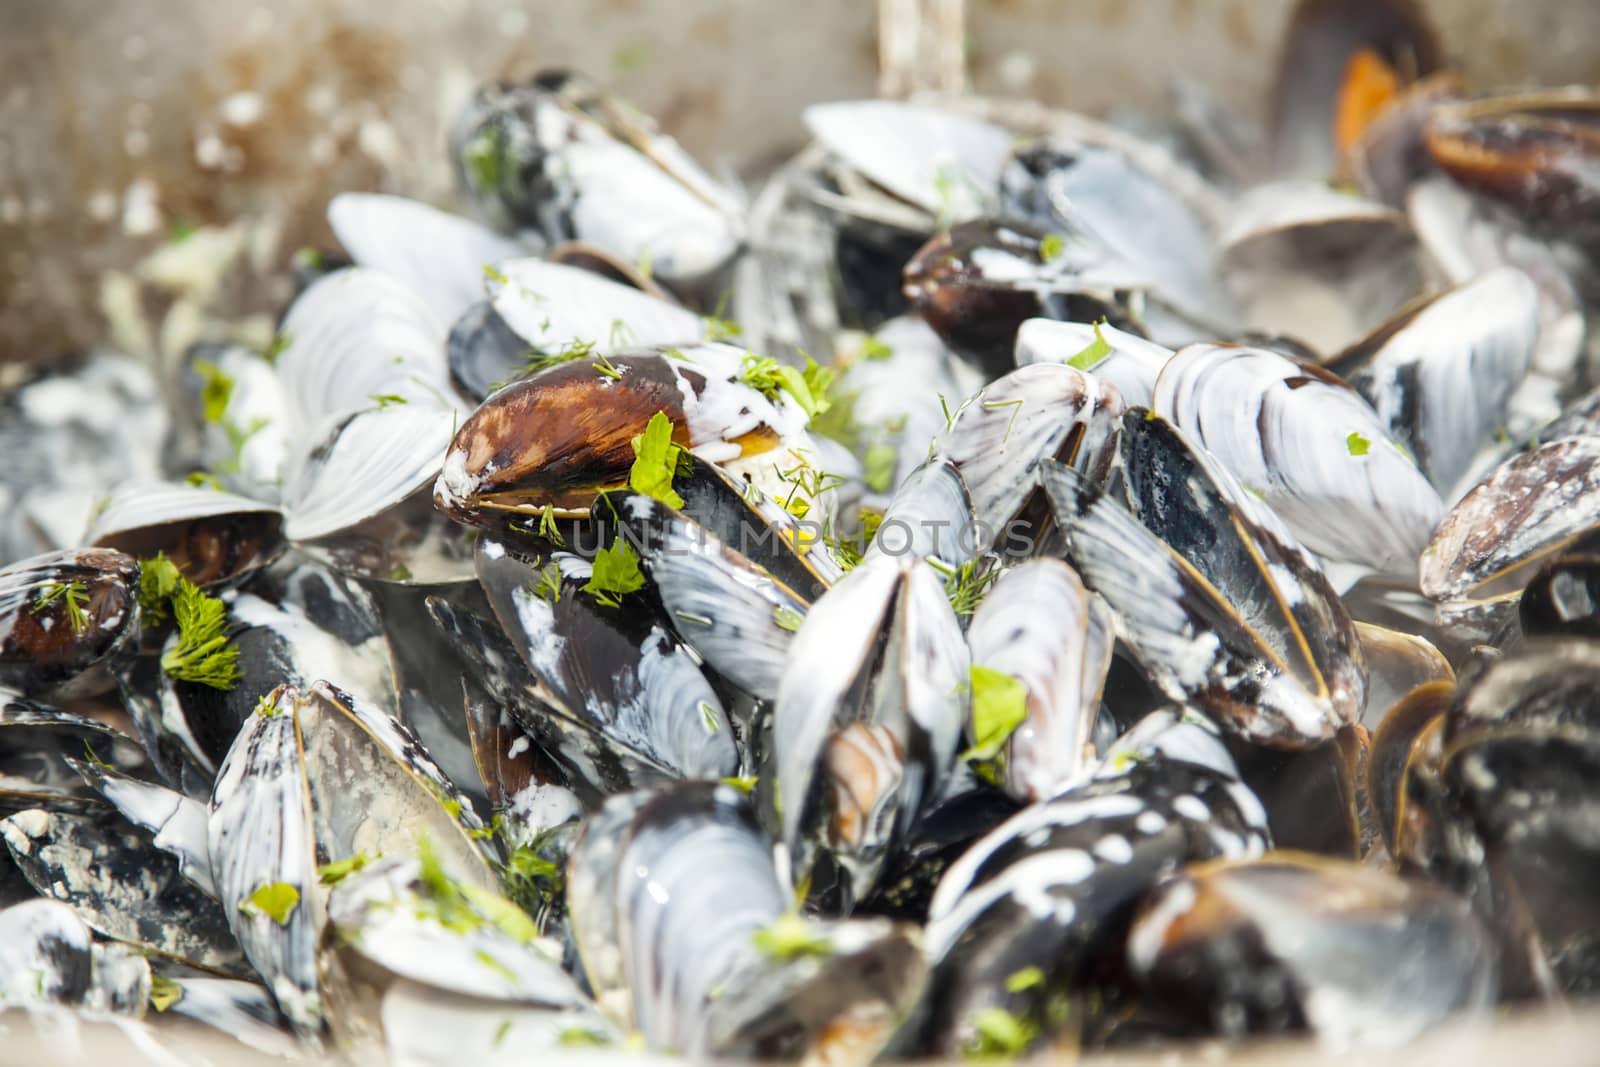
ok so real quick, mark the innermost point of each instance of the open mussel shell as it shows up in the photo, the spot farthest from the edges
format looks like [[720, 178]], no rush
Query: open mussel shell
[[65, 618], [1167, 238], [1310, 447], [1356, 955], [869, 713], [1313, 796], [1220, 605], [617, 671], [278, 643], [979, 282], [1395, 744], [210, 536], [1441, 373], [356, 336], [560, 156], [940, 163], [1320, 53], [592, 766], [1039, 625], [315, 778], [999, 439], [838, 1002], [1130, 363], [175, 823], [1389, 155], [357, 496], [931, 515], [424, 1027], [944, 833], [1528, 508], [389, 915], [1319, 265], [1397, 663], [34, 738], [121, 886], [438, 255], [1048, 889], [737, 615], [1519, 756], [1533, 153], [656, 936], [50, 958], [561, 436], [1563, 599], [245, 1011]]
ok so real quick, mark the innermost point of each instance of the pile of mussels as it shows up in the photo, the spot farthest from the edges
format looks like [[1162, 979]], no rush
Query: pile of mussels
[[1170, 608]]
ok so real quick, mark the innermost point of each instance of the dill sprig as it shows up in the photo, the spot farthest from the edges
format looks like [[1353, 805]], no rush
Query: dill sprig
[[965, 585], [72, 595], [203, 653]]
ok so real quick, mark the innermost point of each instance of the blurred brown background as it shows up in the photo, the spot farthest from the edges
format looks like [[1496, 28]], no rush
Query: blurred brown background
[[124, 123]]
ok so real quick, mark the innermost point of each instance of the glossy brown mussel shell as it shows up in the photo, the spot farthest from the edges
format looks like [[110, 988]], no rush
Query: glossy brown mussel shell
[[45, 647], [1536, 154]]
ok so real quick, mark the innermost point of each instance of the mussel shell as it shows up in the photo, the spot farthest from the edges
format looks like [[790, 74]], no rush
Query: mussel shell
[[977, 284], [1226, 613], [46, 649], [33, 740], [1313, 797], [552, 307], [1563, 599], [930, 515], [210, 536], [1039, 625], [1000, 438], [175, 822], [1309, 446], [1394, 745], [245, 1011], [1131, 364], [121, 886], [869, 713], [1313, 65], [563, 435], [1441, 372], [1532, 153], [1397, 663], [616, 671], [1055, 884], [734, 613], [438, 255], [943, 834], [1529, 507], [1288, 940], [49, 958]]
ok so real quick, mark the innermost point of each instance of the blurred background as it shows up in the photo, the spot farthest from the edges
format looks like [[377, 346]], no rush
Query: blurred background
[[126, 124]]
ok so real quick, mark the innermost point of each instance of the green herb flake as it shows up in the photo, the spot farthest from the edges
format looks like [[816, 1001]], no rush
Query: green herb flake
[[548, 588], [337, 871], [878, 467], [488, 960], [181, 231], [876, 350], [494, 275], [484, 158], [71, 595], [267, 708], [203, 654], [745, 785], [500, 1033], [398, 573], [656, 461], [1025, 979], [616, 574], [710, 718], [530, 880], [720, 329], [606, 369], [790, 937], [999, 706], [1052, 246], [1093, 352], [158, 580], [1357, 445], [388, 400], [999, 1034], [787, 618], [1016, 409], [582, 1037], [203, 480], [966, 585], [547, 526], [164, 992], [275, 900], [216, 389]]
